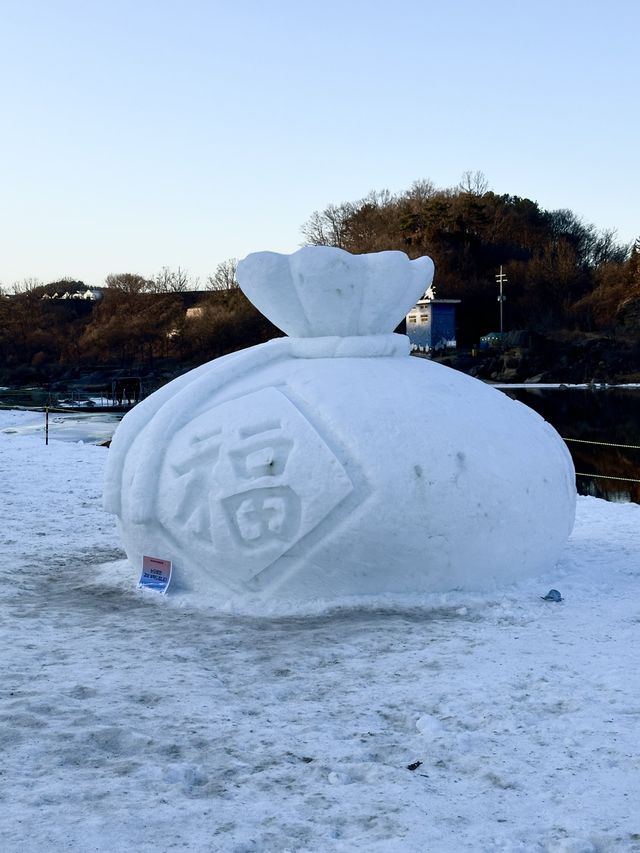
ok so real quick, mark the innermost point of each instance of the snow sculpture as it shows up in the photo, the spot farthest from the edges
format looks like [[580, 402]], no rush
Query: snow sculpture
[[329, 463]]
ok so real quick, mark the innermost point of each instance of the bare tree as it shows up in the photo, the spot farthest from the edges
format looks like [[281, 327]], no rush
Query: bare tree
[[173, 281], [224, 277], [183, 281], [421, 191], [607, 249], [474, 183], [162, 280], [26, 285], [328, 227], [128, 282]]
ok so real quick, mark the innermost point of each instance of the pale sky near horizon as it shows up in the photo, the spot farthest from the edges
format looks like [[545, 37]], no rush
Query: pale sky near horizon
[[154, 133]]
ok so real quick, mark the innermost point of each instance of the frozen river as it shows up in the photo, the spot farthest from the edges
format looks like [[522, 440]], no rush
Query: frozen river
[[88, 428]]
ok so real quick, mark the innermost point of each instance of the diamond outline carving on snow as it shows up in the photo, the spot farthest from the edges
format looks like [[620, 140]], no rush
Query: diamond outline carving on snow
[[248, 479]]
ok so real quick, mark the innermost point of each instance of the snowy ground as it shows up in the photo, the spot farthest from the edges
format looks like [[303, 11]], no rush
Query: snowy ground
[[130, 723]]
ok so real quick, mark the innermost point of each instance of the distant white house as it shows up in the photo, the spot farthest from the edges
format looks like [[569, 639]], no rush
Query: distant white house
[[87, 295]]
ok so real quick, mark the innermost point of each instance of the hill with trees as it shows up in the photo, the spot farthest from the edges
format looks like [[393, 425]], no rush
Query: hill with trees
[[59, 331], [563, 274], [573, 291]]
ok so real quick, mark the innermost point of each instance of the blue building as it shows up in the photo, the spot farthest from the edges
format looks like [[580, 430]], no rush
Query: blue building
[[431, 324]]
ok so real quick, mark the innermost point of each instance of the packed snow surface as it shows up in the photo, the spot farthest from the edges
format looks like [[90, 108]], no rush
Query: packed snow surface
[[131, 722]]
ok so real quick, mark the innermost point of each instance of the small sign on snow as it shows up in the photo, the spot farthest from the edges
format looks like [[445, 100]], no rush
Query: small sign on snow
[[156, 574]]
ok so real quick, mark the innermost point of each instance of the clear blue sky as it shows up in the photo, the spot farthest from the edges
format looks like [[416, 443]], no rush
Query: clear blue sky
[[152, 133]]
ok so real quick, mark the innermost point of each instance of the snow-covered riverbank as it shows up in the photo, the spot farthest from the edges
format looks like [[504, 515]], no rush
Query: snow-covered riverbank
[[135, 723]]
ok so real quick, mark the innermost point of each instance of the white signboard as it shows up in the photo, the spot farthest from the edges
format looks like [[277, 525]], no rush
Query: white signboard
[[156, 574]]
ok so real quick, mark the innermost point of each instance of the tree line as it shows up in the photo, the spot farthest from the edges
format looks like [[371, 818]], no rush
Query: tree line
[[564, 275], [48, 329], [167, 280]]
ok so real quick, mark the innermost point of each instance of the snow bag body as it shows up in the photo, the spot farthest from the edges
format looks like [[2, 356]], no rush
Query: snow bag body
[[330, 464]]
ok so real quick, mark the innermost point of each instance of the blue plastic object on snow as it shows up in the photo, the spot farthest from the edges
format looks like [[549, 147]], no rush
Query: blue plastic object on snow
[[552, 595]]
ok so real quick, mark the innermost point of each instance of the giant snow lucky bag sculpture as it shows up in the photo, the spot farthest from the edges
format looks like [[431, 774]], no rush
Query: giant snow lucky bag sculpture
[[330, 463]]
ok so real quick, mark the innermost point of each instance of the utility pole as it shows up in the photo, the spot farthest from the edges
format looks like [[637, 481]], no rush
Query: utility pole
[[501, 278]]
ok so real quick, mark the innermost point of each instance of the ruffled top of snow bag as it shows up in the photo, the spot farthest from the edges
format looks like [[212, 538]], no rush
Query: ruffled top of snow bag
[[321, 291]]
